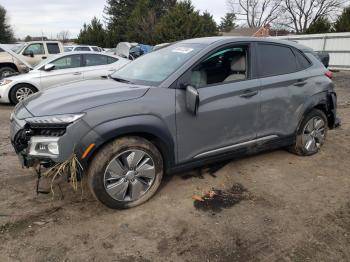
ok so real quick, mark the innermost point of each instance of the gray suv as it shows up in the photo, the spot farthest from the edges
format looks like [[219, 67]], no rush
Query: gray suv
[[187, 105]]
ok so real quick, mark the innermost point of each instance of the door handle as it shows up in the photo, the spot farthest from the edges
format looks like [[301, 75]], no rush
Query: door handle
[[300, 82], [249, 93], [44, 57], [77, 73]]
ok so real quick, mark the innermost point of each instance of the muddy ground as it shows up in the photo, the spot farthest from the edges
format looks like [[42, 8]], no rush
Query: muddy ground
[[285, 208]]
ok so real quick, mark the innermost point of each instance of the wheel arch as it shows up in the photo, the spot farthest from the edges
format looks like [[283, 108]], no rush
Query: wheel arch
[[8, 64], [323, 102], [146, 126]]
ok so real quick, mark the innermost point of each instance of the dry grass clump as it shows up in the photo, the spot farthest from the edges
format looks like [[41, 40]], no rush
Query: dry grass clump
[[71, 168]]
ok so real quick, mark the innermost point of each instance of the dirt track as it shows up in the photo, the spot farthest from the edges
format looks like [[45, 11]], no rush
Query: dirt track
[[294, 209]]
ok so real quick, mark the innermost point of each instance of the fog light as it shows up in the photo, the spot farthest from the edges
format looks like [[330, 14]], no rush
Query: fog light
[[53, 148], [44, 146]]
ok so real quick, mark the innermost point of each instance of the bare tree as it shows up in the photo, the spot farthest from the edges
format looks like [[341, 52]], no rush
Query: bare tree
[[63, 36], [256, 12], [298, 15]]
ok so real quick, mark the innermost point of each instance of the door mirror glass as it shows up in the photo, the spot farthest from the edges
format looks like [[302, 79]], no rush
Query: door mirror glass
[[192, 99], [49, 67]]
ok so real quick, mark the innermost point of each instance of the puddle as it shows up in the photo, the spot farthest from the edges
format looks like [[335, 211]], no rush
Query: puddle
[[217, 199]]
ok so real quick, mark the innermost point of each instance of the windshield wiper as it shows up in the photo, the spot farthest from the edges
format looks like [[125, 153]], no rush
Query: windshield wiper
[[122, 80]]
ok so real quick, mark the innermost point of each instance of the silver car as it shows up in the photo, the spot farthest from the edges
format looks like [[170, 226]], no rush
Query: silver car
[[60, 69]]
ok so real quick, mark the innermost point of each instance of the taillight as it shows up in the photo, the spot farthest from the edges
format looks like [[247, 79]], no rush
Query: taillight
[[329, 74]]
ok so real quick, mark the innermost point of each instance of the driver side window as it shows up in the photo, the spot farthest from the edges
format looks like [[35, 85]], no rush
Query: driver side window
[[37, 49], [66, 62], [225, 65]]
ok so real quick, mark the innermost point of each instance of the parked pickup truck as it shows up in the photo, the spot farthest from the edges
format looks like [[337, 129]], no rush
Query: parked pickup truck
[[32, 53]]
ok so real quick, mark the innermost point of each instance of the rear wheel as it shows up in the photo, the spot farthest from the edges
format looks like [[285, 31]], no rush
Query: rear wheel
[[20, 92], [311, 134], [126, 172], [6, 71]]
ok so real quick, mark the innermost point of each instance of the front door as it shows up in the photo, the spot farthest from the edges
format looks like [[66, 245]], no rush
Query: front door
[[228, 104], [34, 53], [67, 69]]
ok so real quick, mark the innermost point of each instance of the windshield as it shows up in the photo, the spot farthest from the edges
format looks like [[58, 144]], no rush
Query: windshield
[[18, 48], [155, 67]]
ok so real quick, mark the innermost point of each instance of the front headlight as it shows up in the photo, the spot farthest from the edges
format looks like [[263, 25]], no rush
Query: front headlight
[[5, 82], [58, 119]]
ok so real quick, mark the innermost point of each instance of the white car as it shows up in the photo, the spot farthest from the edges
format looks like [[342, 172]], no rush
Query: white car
[[75, 48], [60, 69]]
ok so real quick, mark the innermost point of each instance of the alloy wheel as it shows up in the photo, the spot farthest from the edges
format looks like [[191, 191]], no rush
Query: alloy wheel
[[313, 134], [22, 93], [129, 175]]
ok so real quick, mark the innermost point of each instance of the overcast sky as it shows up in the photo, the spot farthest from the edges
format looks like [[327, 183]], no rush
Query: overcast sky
[[50, 17]]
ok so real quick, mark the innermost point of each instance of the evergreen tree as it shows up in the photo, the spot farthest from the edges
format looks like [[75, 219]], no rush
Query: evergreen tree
[[183, 22], [6, 33], [320, 26], [145, 17], [343, 22], [228, 22], [92, 34], [117, 13]]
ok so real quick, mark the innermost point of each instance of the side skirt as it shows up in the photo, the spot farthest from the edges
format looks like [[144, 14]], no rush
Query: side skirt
[[258, 147]]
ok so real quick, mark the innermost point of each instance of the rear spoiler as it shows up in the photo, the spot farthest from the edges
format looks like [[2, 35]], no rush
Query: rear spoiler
[[18, 57]]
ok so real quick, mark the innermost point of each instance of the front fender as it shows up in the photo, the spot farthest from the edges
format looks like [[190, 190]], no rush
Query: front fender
[[148, 126]]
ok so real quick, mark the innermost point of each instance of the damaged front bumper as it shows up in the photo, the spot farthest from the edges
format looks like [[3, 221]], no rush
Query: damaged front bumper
[[47, 144]]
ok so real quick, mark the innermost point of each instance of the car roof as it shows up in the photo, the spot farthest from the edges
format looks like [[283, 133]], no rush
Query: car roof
[[225, 39]]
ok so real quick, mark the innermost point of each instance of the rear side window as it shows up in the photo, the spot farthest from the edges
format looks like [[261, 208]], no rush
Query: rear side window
[[111, 60], [53, 48], [303, 63], [95, 60], [276, 60]]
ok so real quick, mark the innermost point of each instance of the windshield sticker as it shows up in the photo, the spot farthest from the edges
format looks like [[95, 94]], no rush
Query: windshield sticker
[[183, 50]]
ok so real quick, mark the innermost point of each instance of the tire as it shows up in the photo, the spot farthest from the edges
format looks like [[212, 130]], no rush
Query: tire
[[5, 71], [311, 134], [21, 92], [120, 177]]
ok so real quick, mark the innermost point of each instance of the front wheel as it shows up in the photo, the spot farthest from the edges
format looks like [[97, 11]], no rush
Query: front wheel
[[6, 71], [126, 172], [20, 92], [311, 134]]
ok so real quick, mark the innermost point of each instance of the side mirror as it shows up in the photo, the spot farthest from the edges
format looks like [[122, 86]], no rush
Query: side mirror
[[31, 54], [192, 99], [49, 67]]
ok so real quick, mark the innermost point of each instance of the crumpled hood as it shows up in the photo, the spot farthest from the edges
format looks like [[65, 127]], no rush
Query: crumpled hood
[[81, 96]]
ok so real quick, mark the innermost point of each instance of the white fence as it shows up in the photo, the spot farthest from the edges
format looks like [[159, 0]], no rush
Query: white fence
[[336, 44]]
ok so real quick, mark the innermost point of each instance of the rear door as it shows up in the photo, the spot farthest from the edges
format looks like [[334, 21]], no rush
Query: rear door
[[96, 65], [228, 110], [67, 69], [284, 86]]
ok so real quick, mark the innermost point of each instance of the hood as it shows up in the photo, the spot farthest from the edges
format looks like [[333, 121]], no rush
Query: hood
[[17, 56], [81, 96]]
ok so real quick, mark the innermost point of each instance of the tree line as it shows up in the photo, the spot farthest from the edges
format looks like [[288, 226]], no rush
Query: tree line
[[147, 21]]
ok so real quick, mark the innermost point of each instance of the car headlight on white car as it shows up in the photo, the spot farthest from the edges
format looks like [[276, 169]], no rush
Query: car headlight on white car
[[57, 119], [5, 82]]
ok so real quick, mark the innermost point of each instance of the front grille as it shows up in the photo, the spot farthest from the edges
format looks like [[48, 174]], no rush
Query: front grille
[[22, 138]]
